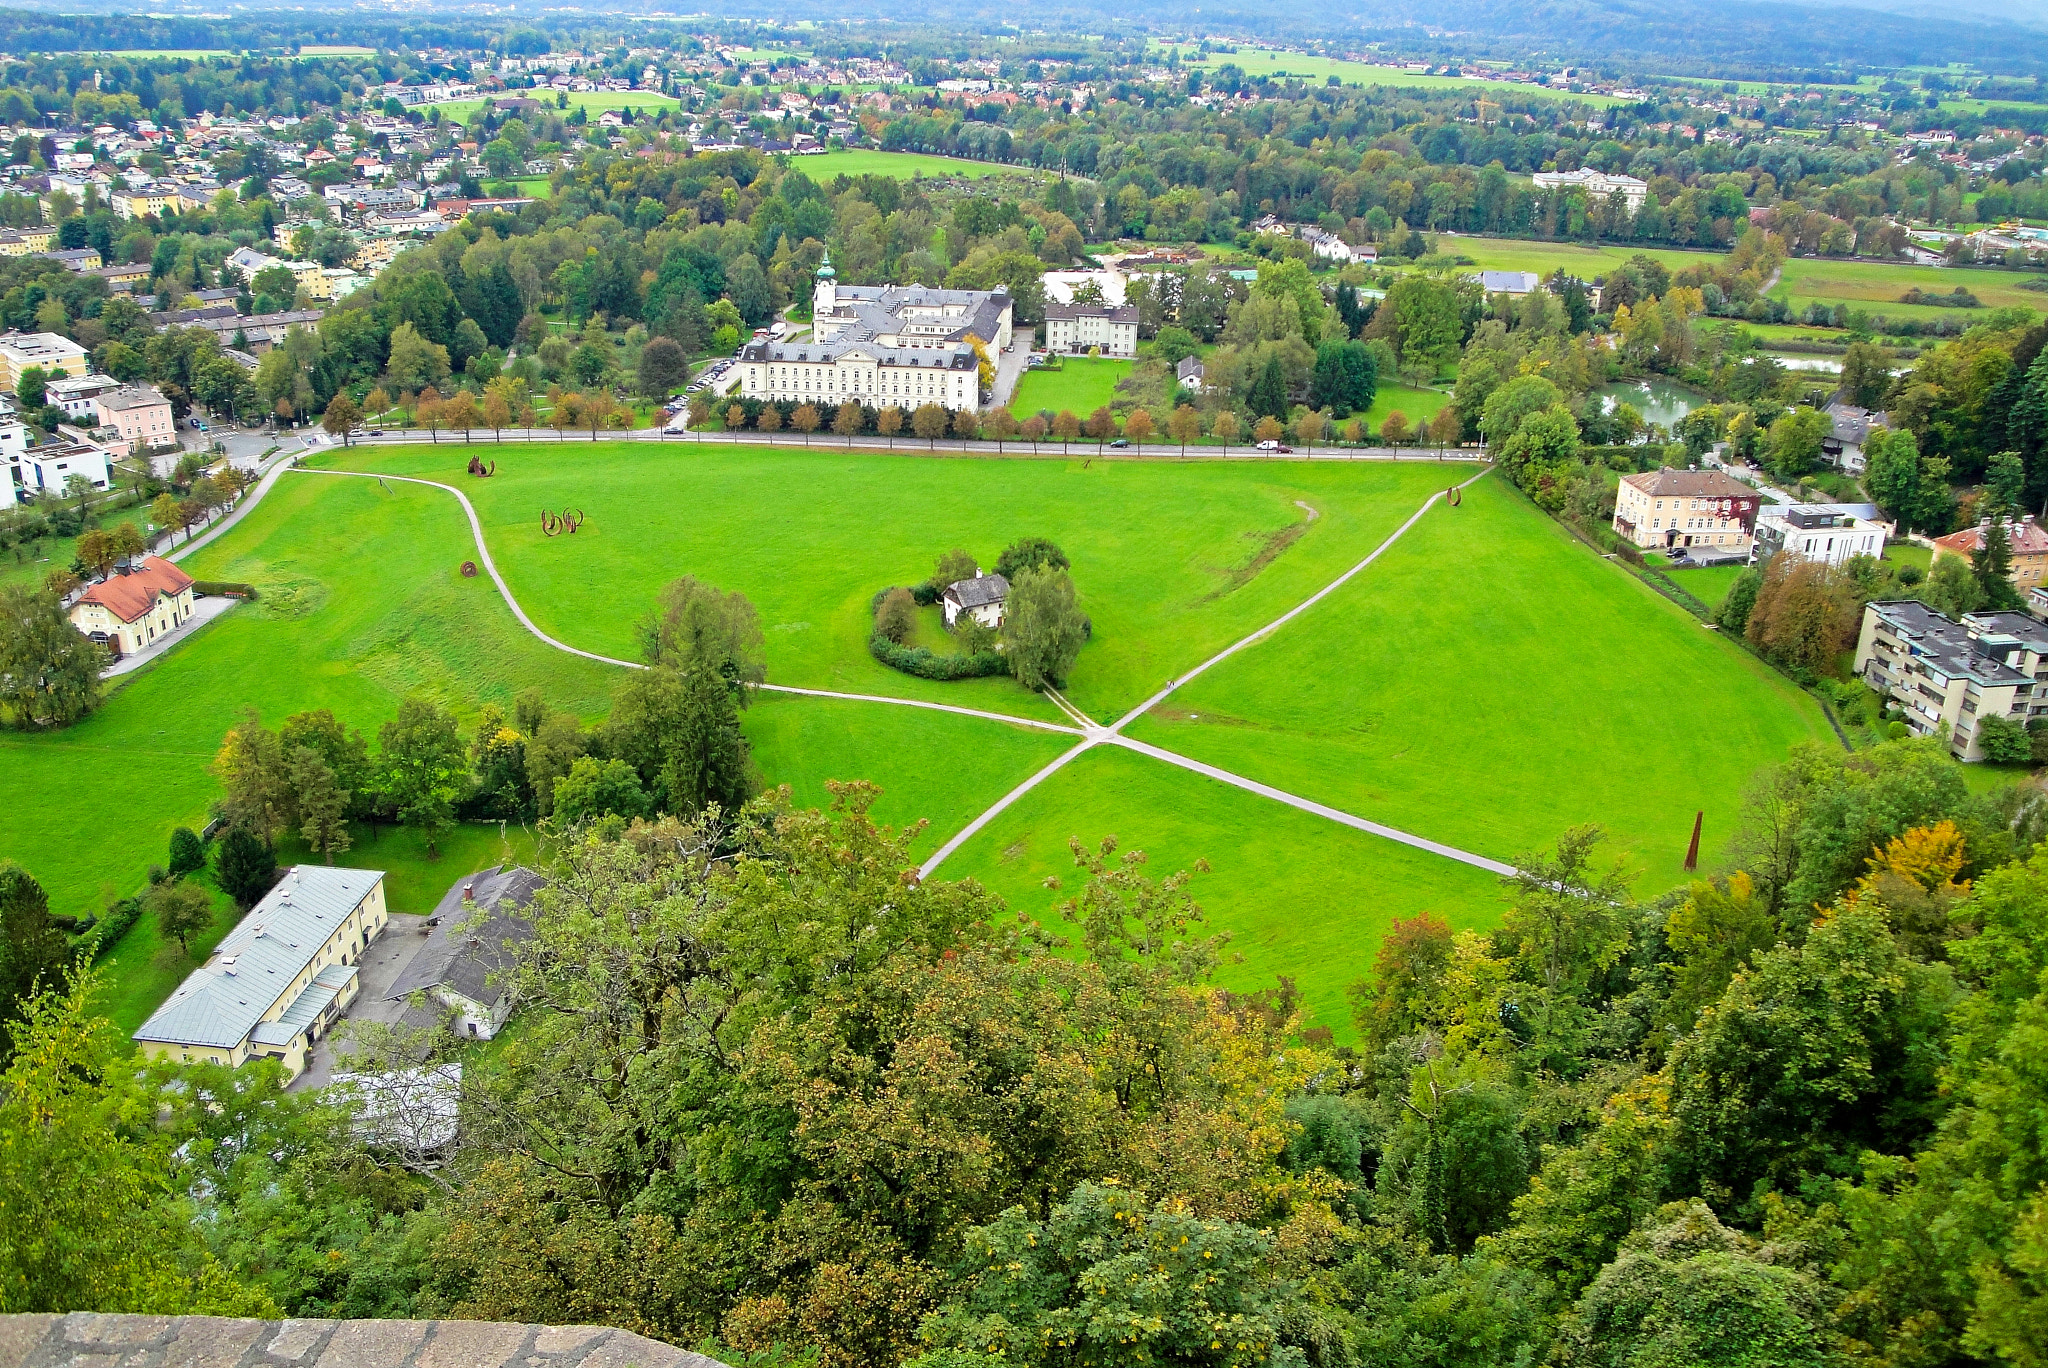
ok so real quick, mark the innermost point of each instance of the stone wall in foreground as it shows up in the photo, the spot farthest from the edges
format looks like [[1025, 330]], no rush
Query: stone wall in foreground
[[88, 1340]]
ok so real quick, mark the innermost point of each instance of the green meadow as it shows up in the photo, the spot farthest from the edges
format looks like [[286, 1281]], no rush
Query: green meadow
[[1877, 285], [1081, 386], [1489, 682], [1299, 895], [1275, 63], [823, 166], [1173, 562], [1585, 262], [592, 102]]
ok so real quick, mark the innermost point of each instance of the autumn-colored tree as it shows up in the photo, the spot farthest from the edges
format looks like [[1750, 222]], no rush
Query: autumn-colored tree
[[567, 411], [1184, 425], [1394, 429], [1225, 427], [1066, 426], [597, 413], [1805, 615], [967, 425], [1447, 428], [376, 404], [1408, 974], [1032, 429], [1002, 425], [929, 422], [96, 550], [1268, 429], [769, 419], [849, 420], [1100, 425], [430, 413], [1312, 427], [805, 420], [889, 422], [497, 409], [459, 412], [735, 416], [1138, 426]]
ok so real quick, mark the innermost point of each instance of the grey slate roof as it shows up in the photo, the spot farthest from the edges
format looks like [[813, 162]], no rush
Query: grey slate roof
[[979, 592], [1513, 282], [1119, 313], [220, 1003], [470, 956], [1190, 368], [1852, 425], [1950, 649]]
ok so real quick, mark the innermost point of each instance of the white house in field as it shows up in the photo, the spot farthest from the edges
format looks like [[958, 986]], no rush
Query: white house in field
[[981, 598]]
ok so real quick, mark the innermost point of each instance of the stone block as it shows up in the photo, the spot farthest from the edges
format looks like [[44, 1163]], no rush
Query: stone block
[[19, 1336], [622, 1349], [209, 1342], [372, 1344], [105, 1332], [471, 1344], [297, 1338], [566, 1339]]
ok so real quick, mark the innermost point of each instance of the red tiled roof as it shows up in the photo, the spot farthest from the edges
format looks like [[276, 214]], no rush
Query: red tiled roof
[[130, 596], [2027, 538], [1709, 484]]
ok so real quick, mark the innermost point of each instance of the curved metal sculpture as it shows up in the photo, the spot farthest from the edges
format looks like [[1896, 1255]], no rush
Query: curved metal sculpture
[[469, 569], [1455, 495], [478, 468], [550, 525], [572, 521]]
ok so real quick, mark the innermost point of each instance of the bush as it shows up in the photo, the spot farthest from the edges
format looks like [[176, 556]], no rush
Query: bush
[[223, 589], [2004, 741], [187, 851], [896, 617], [928, 664], [104, 933]]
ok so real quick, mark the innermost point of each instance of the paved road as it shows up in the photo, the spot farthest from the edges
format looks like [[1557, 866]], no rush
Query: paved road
[[271, 469], [382, 961], [1011, 364]]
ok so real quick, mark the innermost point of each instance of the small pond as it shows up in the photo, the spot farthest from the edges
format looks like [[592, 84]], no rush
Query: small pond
[[1658, 400]]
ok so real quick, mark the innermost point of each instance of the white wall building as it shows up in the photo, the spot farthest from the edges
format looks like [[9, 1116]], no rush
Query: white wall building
[[1074, 328], [883, 346], [129, 609], [1829, 533], [1598, 185]]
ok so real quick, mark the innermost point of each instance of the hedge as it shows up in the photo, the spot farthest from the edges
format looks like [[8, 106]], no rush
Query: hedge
[[223, 589], [925, 663], [100, 937]]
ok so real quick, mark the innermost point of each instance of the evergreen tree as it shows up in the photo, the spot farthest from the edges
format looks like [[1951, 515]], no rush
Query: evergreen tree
[[1268, 396], [244, 866], [1991, 566], [33, 951]]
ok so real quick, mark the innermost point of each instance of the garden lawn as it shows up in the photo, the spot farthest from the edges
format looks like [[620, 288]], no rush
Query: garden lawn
[[823, 166], [1301, 896], [1490, 682], [1083, 385], [1172, 561], [1708, 583], [1417, 404], [53, 553], [362, 603]]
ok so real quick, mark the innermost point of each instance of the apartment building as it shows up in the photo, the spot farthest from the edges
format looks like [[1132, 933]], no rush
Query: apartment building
[[1073, 328], [1829, 533], [1944, 673], [2029, 543]]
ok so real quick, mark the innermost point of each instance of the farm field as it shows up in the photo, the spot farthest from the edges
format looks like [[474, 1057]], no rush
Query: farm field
[[1430, 694], [1269, 62], [1084, 385], [1877, 285], [1301, 896], [1173, 561], [824, 166]]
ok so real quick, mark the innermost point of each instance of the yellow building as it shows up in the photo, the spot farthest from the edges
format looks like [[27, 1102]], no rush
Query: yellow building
[[57, 355], [2029, 543], [24, 241], [134, 204], [278, 981], [126, 612], [1678, 509]]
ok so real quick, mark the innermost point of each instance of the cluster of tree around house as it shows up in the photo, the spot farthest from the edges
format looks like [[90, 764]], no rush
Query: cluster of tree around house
[[771, 1088], [1042, 629]]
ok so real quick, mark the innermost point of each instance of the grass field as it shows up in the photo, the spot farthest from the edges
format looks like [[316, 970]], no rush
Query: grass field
[[595, 101], [1268, 62], [1877, 285], [1173, 562], [1434, 693], [1417, 404], [903, 165], [1509, 254], [1082, 386], [363, 602], [1300, 896], [1709, 584], [52, 553]]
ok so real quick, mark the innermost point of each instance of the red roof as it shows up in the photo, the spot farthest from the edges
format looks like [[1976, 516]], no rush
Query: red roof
[[130, 596], [2027, 538]]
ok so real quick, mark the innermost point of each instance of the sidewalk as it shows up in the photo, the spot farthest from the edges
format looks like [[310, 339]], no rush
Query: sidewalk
[[204, 610]]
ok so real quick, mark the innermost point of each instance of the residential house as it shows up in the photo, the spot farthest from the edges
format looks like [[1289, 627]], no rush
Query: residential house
[[133, 607], [27, 241], [1515, 283], [123, 276], [278, 981], [54, 353], [1670, 509], [76, 258], [1328, 246], [1943, 673], [1189, 373], [53, 465], [1074, 328], [2029, 543], [1851, 428], [1829, 533], [471, 949], [139, 203], [141, 414], [981, 598], [78, 396]]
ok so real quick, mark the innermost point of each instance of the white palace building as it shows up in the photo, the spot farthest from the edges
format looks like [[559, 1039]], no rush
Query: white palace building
[[887, 346]]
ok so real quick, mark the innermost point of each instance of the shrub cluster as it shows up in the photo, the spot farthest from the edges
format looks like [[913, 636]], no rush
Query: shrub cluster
[[925, 663], [223, 589]]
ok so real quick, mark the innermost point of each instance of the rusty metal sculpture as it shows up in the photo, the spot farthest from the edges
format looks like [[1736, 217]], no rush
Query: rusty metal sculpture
[[478, 468], [469, 569], [572, 521], [1455, 495], [549, 523]]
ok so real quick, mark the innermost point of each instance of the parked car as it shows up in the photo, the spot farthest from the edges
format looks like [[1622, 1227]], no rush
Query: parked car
[[1269, 446], [1121, 442]]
